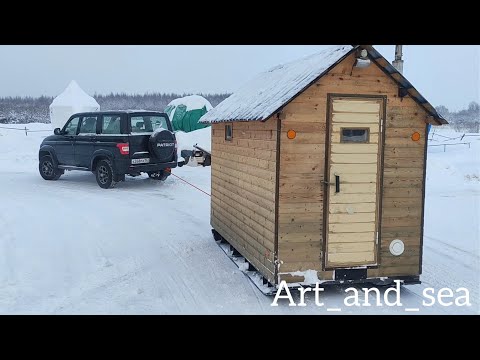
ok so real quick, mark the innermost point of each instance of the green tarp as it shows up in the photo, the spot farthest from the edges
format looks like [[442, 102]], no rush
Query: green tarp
[[184, 120]]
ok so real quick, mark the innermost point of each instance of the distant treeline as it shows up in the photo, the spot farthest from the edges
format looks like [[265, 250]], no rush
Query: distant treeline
[[467, 120], [23, 110]]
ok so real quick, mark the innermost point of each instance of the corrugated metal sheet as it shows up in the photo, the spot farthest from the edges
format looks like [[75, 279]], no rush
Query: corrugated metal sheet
[[267, 93], [272, 89]]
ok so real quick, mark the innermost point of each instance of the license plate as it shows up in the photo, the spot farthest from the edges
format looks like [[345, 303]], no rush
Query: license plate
[[141, 161]]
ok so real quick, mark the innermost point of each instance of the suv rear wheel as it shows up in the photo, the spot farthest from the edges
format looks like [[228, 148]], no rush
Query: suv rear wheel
[[47, 169], [104, 174]]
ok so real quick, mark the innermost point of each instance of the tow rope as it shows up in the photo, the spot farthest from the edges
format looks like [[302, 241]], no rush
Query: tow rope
[[185, 181]]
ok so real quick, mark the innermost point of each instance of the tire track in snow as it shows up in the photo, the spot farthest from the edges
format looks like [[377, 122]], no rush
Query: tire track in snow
[[472, 264], [7, 239], [100, 282], [444, 243], [8, 278]]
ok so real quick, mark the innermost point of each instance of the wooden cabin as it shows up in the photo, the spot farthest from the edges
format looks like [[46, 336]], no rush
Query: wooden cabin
[[318, 170]]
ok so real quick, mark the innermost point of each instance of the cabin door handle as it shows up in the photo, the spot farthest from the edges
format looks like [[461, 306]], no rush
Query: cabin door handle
[[337, 183]]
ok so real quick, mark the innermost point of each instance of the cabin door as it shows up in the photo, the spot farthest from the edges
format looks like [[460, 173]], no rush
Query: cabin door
[[352, 208]]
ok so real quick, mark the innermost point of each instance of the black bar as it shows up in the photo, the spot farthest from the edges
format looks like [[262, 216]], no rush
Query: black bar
[[350, 274], [337, 183]]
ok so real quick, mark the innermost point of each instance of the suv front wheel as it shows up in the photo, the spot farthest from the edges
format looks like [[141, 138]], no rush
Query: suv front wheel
[[104, 174], [47, 168]]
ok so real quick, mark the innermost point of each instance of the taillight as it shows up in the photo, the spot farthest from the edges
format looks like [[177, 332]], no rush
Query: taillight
[[124, 148]]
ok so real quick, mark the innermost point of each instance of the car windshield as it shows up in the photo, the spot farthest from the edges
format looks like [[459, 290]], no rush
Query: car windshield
[[148, 123]]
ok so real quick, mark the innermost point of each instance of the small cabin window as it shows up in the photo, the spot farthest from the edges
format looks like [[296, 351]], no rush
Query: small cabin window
[[355, 135], [228, 132]]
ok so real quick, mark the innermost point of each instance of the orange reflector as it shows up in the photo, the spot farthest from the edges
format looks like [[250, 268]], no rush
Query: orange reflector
[[291, 134], [416, 136]]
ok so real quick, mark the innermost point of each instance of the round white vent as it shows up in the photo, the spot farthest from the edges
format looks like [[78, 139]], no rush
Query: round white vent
[[397, 247]]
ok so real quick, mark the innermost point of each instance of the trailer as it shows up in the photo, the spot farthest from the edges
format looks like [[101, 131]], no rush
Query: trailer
[[318, 170], [196, 157]]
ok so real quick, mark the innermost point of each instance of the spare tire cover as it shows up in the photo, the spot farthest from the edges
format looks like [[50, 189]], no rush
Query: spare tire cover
[[162, 145]]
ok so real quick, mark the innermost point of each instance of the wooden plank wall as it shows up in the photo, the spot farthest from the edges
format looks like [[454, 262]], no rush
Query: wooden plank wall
[[243, 190], [302, 170]]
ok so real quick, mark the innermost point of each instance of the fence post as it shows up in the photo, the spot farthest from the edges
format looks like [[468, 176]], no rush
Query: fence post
[[25, 131]]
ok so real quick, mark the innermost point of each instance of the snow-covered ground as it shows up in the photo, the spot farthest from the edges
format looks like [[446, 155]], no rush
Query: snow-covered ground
[[145, 247], [199, 137]]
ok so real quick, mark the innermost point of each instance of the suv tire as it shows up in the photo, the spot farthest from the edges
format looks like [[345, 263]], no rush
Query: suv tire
[[104, 174], [162, 145], [47, 168]]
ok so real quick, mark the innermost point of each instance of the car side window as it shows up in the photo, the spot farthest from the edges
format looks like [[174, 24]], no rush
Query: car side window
[[138, 124], [111, 124], [71, 127], [148, 123], [88, 125]]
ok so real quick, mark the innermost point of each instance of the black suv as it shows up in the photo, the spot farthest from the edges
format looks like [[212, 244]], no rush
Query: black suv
[[111, 144]]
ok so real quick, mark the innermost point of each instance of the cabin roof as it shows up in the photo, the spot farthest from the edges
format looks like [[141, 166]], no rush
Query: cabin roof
[[271, 90]]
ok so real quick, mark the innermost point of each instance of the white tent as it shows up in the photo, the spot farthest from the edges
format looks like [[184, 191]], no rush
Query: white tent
[[72, 100]]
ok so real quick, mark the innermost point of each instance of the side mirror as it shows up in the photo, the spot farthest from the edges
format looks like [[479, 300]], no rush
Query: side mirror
[[57, 131]]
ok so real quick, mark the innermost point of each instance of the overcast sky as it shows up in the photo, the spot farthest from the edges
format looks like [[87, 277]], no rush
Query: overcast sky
[[447, 75]]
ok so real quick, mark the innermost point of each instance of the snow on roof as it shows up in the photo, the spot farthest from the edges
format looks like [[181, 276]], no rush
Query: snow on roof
[[192, 102], [269, 91], [74, 96]]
